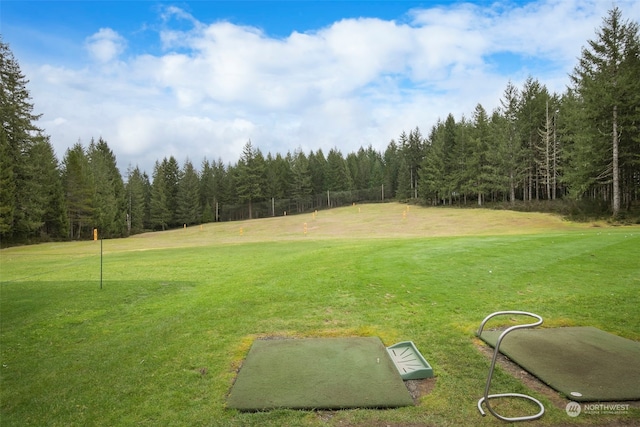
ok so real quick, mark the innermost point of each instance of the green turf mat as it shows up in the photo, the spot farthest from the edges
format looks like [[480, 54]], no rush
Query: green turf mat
[[318, 373], [585, 360]]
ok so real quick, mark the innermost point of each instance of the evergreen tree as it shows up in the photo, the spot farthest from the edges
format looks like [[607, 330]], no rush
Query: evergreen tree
[[109, 196], [189, 210], [48, 191], [391, 163], [300, 180], [432, 170], [376, 168], [606, 81], [412, 150], [171, 170], [278, 177], [20, 210], [477, 165], [531, 115], [79, 191], [317, 170], [453, 159], [207, 191], [338, 177], [160, 214], [7, 186], [251, 169], [222, 185], [136, 190], [511, 155]]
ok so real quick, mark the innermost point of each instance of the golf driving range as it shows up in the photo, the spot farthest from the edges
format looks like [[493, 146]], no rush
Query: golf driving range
[[172, 336]]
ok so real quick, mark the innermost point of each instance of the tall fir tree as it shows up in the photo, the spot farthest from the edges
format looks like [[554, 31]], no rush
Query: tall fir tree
[[79, 191], [109, 195], [20, 205], [606, 81], [317, 170], [251, 170], [136, 200], [300, 180], [511, 155], [337, 175], [189, 208], [48, 191], [160, 215]]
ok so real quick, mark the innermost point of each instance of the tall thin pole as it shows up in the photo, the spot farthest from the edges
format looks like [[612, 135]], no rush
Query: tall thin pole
[[101, 263]]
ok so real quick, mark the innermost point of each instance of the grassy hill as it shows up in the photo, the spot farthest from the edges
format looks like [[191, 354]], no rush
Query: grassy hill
[[160, 343]]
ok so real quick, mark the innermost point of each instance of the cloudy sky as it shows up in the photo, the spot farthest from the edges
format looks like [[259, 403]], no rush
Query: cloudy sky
[[198, 79]]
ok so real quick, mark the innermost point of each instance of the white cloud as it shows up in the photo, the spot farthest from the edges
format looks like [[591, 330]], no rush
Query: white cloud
[[105, 45], [354, 83]]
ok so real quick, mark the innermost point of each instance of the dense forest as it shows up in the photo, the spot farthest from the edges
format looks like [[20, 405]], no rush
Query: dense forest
[[580, 147]]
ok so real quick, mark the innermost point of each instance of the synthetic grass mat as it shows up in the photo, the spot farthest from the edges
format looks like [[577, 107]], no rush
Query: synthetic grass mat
[[595, 364], [318, 373]]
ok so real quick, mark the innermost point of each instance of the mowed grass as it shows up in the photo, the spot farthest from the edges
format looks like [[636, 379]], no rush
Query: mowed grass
[[160, 343]]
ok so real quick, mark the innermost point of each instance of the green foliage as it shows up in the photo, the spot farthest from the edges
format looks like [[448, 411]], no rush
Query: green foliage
[[137, 190], [582, 145], [189, 208], [48, 191], [160, 213], [251, 170], [300, 180], [7, 186], [337, 177], [79, 190], [109, 195], [607, 89]]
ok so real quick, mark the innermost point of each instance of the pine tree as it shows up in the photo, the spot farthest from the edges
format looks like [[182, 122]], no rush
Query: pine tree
[[337, 177], [531, 115], [135, 190], [171, 170], [251, 169], [511, 154], [48, 192], [477, 165], [189, 208], [391, 163], [109, 195], [432, 170], [20, 210], [606, 81], [160, 214], [7, 186], [79, 190], [317, 170], [301, 180]]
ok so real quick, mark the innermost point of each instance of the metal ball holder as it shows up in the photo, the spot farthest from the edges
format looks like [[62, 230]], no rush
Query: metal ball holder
[[485, 399]]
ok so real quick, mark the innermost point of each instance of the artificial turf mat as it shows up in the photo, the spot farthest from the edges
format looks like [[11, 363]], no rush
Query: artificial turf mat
[[596, 364], [312, 373]]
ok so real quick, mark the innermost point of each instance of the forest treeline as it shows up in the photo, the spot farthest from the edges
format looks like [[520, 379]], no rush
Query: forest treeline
[[582, 146]]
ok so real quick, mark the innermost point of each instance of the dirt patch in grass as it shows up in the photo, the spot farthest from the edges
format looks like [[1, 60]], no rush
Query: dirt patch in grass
[[420, 388]]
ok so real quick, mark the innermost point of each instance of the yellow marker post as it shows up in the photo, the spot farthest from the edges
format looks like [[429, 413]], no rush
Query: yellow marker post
[[95, 234]]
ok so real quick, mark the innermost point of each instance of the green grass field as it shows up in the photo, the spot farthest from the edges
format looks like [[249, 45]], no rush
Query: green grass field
[[160, 343]]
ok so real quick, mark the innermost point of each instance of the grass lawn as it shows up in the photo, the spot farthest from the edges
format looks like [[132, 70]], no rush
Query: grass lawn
[[160, 343]]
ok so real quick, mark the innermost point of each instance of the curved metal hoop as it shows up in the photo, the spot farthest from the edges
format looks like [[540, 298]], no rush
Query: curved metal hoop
[[487, 396]]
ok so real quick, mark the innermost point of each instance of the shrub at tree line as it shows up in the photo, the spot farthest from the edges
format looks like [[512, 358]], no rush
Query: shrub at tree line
[[582, 147]]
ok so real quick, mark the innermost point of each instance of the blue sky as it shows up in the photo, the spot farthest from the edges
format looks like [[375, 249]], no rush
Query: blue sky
[[197, 79]]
